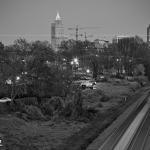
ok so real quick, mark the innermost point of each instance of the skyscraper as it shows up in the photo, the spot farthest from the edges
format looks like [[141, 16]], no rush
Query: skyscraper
[[148, 34], [57, 33]]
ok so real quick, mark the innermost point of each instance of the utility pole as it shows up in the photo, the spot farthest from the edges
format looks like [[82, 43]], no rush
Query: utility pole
[[77, 30], [85, 36]]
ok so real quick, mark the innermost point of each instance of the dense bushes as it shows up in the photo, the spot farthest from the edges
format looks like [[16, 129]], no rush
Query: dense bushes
[[33, 112], [70, 107], [53, 105], [67, 110], [16, 105]]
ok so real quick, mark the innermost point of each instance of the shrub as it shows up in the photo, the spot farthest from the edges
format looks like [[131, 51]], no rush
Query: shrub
[[34, 112], [67, 110], [55, 104], [23, 116], [90, 112], [47, 109], [73, 105], [17, 105], [92, 96], [105, 98]]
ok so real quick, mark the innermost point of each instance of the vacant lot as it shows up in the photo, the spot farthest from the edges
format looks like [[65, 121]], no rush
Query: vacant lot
[[51, 134]]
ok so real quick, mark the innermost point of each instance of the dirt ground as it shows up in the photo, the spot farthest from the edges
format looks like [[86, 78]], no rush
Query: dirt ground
[[48, 135]]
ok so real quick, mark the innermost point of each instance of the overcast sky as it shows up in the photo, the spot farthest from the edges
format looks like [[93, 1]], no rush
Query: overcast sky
[[32, 19]]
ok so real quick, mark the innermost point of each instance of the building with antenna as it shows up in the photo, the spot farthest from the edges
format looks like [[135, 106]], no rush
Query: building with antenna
[[57, 33]]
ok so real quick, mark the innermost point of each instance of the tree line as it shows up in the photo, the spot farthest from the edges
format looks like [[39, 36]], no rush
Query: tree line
[[35, 69]]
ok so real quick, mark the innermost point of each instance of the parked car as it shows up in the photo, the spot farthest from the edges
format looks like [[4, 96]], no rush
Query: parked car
[[101, 78], [5, 99], [130, 78], [88, 84]]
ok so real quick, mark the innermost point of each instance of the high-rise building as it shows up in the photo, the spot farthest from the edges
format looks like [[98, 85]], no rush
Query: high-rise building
[[148, 34], [57, 33]]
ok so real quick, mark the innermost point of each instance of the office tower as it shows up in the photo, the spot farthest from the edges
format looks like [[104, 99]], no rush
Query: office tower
[[57, 33]]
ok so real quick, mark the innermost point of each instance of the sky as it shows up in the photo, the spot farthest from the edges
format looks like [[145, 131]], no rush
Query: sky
[[31, 19]]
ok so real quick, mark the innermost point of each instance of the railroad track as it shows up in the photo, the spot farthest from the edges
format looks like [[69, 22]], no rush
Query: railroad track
[[114, 138], [141, 139], [109, 140]]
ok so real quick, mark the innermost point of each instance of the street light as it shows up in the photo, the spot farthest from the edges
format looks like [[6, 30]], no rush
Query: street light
[[71, 62], [88, 70], [117, 59], [17, 78], [76, 61], [64, 59], [118, 65], [75, 64]]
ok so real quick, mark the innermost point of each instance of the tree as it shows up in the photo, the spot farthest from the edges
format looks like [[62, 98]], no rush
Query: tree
[[132, 51], [11, 70], [45, 73], [3, 57]]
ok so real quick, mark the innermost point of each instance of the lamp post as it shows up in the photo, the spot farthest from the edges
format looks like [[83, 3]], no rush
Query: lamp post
[[117, 65]]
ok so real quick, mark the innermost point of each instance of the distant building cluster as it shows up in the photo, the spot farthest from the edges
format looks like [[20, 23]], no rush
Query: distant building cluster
[[57, 33]]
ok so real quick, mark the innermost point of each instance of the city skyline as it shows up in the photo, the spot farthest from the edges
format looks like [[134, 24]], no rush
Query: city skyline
[[31, 19]]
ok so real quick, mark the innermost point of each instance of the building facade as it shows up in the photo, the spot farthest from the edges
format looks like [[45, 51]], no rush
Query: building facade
[[57, 33], [101, 44]]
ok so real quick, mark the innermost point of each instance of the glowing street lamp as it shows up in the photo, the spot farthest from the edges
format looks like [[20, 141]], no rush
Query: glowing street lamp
[[17, 78], [77, 63], [72, 63], [75, 60], [88, 70]]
